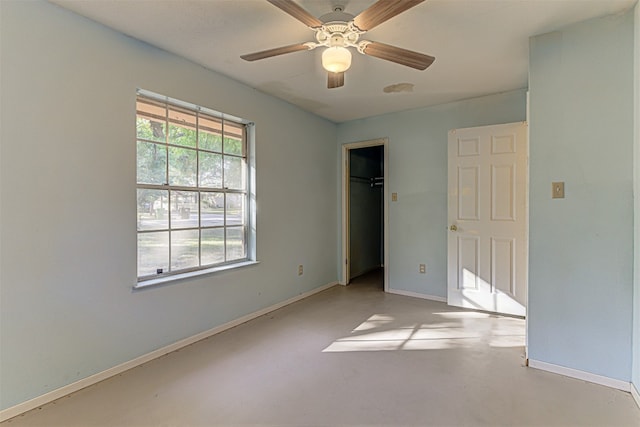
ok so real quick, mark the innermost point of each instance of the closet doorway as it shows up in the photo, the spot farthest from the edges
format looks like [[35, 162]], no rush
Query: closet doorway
[[365, 204]]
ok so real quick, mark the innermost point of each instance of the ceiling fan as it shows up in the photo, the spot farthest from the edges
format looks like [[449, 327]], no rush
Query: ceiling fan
[[338, 31]]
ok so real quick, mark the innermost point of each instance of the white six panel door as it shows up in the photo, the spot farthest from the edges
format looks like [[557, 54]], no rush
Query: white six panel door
[[487, 243]]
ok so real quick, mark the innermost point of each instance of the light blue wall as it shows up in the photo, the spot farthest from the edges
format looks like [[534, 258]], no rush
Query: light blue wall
[[581, 247], [68, 202], [636, 292], [418, 173]]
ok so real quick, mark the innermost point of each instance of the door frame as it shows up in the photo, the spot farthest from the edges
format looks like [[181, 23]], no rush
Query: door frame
[[345, 262]]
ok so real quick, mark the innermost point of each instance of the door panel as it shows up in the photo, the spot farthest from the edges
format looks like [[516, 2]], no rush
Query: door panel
[[468, 193], [487, 244], [503, 197], [503, 265], [468, 257]]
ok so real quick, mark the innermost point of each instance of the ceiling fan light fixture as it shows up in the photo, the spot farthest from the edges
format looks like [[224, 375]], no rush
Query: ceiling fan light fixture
[[337, 31], [336, 59]]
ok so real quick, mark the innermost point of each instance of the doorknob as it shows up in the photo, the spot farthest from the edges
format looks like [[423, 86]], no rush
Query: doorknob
[[453, 228]]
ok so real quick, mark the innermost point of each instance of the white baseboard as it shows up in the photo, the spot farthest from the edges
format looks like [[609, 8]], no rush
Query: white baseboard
[[417, 295], [636, 394], [581, 375], [101, 376]]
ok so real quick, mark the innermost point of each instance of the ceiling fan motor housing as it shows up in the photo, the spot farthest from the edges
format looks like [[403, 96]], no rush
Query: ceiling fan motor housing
[[337, 39], [338, 33]]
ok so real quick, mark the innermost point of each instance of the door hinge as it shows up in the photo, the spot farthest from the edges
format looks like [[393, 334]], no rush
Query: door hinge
[[346, 261]]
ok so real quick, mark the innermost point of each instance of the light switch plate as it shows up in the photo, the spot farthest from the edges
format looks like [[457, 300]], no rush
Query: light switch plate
[[394, 197], [557, 190]]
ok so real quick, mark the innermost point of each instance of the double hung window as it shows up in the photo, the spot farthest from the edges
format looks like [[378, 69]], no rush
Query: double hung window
[[192, 188]]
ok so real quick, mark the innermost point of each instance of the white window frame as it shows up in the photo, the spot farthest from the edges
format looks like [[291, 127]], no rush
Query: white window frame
[[249, 196]]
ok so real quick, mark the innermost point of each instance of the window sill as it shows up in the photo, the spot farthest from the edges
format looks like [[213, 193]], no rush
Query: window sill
[[191, 274]]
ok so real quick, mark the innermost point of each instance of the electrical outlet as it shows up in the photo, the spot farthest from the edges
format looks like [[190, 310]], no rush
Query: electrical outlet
[[394, 197], [300, 270], [423, 269]]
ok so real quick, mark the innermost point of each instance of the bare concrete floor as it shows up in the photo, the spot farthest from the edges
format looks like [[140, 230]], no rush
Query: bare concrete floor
[[347, 356]]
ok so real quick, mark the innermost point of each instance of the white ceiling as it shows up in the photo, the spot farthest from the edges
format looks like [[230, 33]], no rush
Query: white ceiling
[[481, 46]]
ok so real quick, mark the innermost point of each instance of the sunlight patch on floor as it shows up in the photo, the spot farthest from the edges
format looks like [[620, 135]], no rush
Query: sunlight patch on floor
[[382, 332]]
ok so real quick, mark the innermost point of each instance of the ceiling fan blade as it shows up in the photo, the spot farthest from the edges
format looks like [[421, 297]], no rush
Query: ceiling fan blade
[[382, 11], [412, 59], [293, 9], [274, 52], [335, 80]]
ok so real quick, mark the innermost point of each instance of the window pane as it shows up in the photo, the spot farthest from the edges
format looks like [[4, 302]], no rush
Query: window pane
[[233, 139], [210, 170], [184, 249], [152, 209], [212, 246], [182, 127], [212, 209], [210, 133], [151, 120], [152, 163], [233, 173], [235, 209], [182, 166], [153, 253], [184, 209], [235, 243], [150, 129]]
